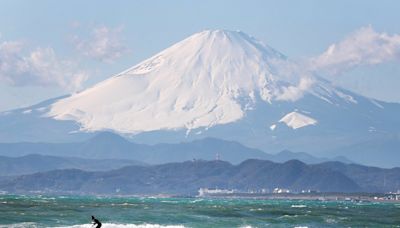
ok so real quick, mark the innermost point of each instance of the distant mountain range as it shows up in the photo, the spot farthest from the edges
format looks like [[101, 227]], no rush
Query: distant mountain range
[[28, 164], [107, 145], [187, 177]]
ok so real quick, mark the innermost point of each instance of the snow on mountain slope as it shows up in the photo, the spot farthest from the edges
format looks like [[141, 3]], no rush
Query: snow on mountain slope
[[211, 78], [198, 82], [297, 120]]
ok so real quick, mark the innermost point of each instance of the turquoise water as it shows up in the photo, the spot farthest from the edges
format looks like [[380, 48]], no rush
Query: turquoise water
[[45, 211]]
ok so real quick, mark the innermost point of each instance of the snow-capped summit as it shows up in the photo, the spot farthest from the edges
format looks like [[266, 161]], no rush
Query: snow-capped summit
[[221, 84], [210, 78], [297, 120]]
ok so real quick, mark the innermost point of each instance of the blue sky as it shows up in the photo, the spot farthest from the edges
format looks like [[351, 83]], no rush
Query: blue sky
[[50, 48]]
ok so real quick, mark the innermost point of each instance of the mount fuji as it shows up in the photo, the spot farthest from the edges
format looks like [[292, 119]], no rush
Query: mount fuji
[[221, 84]]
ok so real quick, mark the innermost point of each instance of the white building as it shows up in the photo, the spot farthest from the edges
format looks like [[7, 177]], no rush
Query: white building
[[206, 191], [281, 190]]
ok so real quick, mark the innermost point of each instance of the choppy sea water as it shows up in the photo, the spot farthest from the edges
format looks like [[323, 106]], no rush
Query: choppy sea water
[[67, 211]]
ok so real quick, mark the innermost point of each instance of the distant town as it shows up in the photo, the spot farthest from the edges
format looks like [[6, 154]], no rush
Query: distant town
[[283, 193]]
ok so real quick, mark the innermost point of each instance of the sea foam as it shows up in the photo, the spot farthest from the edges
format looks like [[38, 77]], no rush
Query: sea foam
[[113, 225], [106, 225]]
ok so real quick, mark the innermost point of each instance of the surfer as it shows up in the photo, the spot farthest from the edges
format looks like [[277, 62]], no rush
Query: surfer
[[96, 222]]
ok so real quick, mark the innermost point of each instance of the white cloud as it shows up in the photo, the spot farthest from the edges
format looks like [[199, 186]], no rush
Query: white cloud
[[295, 92], [364, 47], [40, 67], [104, 44], [296, 79]]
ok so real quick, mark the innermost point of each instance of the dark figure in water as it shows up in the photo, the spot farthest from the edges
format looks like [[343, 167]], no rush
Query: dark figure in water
[[96, 222]]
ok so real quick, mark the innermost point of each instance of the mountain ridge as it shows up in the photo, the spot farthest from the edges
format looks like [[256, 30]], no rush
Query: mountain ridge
[[185, 178], [32, 163], [108, 145]]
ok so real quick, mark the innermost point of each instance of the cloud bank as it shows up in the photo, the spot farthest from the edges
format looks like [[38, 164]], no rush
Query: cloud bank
[[363, 47], [39, 67], [104, 44]]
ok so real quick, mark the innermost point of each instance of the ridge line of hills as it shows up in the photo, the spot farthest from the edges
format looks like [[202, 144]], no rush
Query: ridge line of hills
[[187, 177], [108, 145], [32, 163]]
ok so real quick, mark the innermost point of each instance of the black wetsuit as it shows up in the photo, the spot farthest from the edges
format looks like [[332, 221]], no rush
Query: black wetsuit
[[95, 221]]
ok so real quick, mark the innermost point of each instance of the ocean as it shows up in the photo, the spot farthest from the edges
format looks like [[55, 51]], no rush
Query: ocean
[[125, 212]]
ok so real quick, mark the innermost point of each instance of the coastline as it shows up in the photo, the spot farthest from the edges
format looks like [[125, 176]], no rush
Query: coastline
[[339, 197]]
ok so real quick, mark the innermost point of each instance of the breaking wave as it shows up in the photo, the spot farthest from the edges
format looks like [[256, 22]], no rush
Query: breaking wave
[[106, 225], [112, 225]]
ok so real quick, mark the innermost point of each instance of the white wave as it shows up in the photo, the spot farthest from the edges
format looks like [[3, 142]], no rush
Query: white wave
[[20, 225], [298, 206], [113, 225], [105, 225]]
